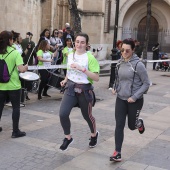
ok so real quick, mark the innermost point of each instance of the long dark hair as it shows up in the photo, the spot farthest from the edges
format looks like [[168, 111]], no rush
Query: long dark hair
[[55, 30], [5, 36], [43, 33], [15, 35], [68, 39]]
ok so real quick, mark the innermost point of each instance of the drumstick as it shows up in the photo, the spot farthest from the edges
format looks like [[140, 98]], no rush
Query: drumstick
[[29, 39], [30, 55]]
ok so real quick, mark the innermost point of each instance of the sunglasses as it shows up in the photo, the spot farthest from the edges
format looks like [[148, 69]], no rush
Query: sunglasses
[[125, 50]]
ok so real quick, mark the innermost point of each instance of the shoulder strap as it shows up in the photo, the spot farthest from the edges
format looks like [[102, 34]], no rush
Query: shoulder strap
[[14, 65], [8, 54], [134, 76]]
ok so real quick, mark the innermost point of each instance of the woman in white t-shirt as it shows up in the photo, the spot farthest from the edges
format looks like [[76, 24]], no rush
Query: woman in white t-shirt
[[45, 57], [82, 70]]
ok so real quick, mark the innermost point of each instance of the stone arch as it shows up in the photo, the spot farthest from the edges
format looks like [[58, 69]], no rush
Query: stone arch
[[125, 7], [139, 14], [142, 13]]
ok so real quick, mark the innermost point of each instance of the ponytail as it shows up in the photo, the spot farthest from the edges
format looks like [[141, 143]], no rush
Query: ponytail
[[5, 36]]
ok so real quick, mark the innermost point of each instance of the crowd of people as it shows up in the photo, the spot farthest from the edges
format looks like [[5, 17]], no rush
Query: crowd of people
[[82, 70]]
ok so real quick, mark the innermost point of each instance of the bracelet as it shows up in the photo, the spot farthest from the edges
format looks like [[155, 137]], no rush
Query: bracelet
[[84, 70]]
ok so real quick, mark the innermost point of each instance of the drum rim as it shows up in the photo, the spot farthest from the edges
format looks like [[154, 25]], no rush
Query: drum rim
[[20, 75]]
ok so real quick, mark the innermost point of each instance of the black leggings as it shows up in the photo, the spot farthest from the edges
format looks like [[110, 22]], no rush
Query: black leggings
[[123, 108], [14, 96], [44, 76], [68, 102]]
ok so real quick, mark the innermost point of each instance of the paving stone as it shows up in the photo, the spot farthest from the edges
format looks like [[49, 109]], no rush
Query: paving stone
[[39, 150], [129, 165]]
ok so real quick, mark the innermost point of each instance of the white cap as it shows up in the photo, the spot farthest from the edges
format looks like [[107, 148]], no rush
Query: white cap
[[67, 24]]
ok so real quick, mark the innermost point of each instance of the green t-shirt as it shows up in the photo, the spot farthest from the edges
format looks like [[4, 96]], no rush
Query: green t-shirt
[[13, 59], [65, 51], [45, 55], [93, 65]]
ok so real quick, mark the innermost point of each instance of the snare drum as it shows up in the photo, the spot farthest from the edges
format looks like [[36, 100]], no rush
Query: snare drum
[[29, 76], [55, 79], [28, 79]]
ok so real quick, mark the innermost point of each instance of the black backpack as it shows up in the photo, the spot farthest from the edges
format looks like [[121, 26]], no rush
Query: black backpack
[[4, 72]]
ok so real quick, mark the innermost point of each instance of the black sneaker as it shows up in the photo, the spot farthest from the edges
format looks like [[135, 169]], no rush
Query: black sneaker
[[18, 134], [93, 140], [39, 98], [65, 144], [0, 129], [116, 157], [142, 127], [27, 98]]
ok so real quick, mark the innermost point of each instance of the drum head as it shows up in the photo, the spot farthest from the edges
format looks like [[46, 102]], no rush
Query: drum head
[[29, 76]]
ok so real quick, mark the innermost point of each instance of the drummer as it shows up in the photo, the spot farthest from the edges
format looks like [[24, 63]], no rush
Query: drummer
[[45, 57], [13, 87], [17, 40]]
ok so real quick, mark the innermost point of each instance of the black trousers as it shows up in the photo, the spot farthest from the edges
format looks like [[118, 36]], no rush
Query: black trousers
[[44, 76], [123, 109], [154, 65], [14, 96]]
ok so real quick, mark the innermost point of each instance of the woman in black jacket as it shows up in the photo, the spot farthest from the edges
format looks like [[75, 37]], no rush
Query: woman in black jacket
[[155, 50]]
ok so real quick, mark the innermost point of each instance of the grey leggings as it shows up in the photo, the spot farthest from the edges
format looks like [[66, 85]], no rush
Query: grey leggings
[[123, 109], [67, 103]]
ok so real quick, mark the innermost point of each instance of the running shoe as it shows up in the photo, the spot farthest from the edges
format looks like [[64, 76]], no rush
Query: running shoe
[[65, 144], [93, 140], [142, 127], [116, 157]]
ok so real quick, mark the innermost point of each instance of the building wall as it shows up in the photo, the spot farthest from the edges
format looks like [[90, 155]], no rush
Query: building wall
[[21, 16], [130, 14], [31, 15]]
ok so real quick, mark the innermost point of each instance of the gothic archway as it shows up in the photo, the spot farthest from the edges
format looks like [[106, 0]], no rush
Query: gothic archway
[[153, 35]]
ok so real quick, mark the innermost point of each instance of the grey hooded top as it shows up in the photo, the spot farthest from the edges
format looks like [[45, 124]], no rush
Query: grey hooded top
[[124, 84]]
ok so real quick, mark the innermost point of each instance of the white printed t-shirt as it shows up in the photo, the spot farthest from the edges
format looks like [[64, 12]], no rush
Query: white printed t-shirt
[[85, 60]]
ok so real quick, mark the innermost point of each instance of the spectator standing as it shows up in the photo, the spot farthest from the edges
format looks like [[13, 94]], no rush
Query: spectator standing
[[68, 34], [45, 35], [155, 51], [56, 43], [66, 25], [29, 45], [138, 49]]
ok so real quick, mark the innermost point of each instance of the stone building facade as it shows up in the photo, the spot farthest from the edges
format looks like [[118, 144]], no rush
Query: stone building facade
[[33, 15], [97, 19]]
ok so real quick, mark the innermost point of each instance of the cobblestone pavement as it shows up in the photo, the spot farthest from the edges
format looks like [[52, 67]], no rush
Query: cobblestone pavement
[[39, 150]]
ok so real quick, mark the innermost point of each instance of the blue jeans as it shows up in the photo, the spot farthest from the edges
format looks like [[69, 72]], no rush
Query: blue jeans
[[14, 96]]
